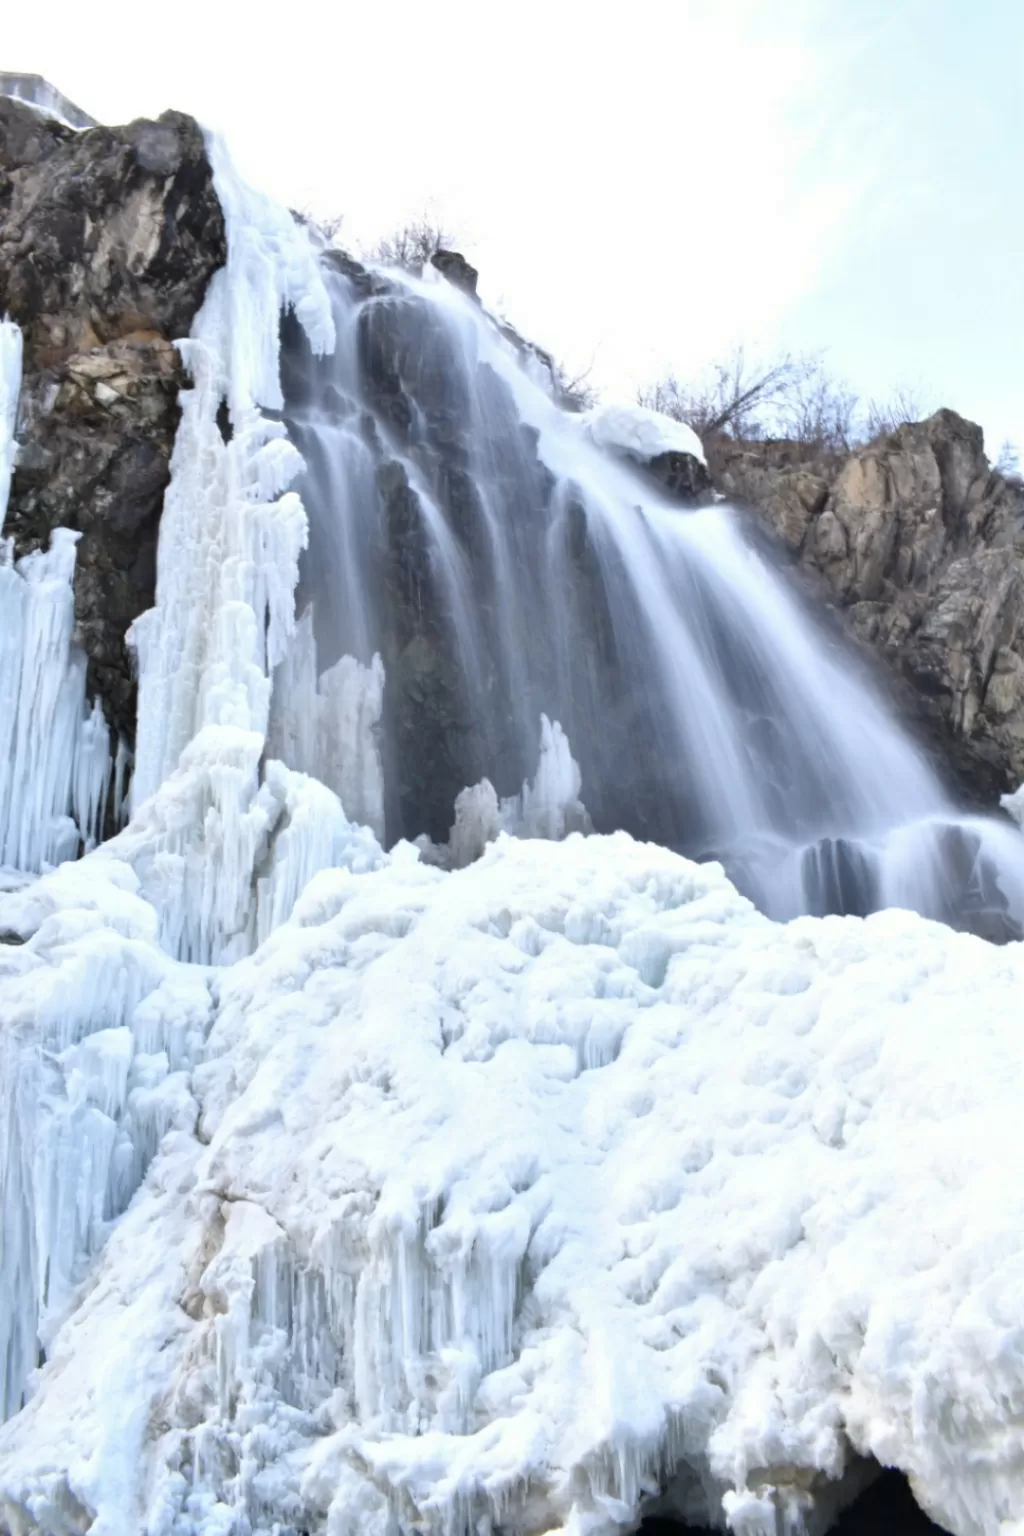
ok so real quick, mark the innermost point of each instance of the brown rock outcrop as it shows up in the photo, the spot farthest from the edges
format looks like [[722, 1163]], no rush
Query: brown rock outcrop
[[921, 544]]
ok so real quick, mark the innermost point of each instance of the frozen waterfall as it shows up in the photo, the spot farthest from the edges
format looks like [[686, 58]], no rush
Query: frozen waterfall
[[498, 1183]]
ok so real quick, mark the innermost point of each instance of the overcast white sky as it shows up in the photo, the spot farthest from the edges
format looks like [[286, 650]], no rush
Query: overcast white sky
[[641, 184]]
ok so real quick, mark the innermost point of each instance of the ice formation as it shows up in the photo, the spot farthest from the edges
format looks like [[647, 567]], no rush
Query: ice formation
[[54, 751], [547, 806], [641, 433], [10, 388], [222, 838], [230, 532], [522, 1194], [328, 725], [349, 1195]]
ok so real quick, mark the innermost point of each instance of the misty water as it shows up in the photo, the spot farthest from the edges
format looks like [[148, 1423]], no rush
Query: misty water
[[455, 507]]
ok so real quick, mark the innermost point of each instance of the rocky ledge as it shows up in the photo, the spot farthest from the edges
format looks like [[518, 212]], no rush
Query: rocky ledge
[[920, 544], [108, 238]]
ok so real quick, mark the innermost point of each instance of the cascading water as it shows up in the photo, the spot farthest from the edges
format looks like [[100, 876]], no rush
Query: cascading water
[[467, 529]]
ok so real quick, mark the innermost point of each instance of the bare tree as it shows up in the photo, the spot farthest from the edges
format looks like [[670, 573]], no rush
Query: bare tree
[[792, 397], [817, 409], [328, 227], [903, 406], [731, 398], [1008, 463], [574, 391], [412, 246]]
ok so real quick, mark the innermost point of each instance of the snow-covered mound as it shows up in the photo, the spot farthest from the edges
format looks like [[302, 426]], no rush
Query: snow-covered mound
[[641, 433], [512, 1196]]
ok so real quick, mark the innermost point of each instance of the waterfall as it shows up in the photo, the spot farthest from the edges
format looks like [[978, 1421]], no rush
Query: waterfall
[[475, 535]]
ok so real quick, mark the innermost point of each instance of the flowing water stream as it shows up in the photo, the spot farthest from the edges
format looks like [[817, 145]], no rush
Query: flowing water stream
[[466, 528]]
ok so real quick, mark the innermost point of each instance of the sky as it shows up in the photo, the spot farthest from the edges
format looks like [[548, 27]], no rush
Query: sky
[[643, 185]]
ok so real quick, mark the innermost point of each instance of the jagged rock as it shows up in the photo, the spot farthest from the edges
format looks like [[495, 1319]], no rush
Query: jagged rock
[[922, 544], [108, 239], [453, 266]]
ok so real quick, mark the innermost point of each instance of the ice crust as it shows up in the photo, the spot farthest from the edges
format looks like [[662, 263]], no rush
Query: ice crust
[[521, 1193], [641, 433]]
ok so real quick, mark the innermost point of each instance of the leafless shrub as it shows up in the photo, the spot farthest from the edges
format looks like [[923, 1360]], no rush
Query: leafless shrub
[[413, 245], [731, 397], [902, 407], [575, 392], [328, 227], [792, 397], [1007, 463]]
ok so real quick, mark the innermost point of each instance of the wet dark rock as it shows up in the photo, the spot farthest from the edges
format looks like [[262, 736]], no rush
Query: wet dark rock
[[108, 239], [453, 266]]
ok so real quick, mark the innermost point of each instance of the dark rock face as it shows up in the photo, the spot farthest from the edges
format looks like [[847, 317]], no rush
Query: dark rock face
[[922, 545], [108, 239], [454, 266]]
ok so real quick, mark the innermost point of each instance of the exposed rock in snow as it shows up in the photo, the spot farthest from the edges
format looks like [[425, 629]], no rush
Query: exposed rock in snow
[[640, 432], [527, 1192], [669, 450]]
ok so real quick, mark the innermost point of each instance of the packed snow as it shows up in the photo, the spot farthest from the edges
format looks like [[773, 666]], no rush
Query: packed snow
[[518, 1196], [640, 433]]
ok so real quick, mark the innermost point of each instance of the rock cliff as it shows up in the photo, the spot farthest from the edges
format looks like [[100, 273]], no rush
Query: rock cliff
[[920, 544], [108, 239]]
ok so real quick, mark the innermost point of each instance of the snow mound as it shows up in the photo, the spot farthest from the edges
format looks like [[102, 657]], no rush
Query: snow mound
[[520, 1195], [641, 433]]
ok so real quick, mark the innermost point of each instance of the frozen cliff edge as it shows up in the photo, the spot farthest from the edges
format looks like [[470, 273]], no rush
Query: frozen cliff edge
[[514, 1196]]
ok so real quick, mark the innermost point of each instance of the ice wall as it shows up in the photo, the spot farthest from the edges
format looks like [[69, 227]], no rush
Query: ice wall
[[522, 1195], [100, 1031], [231, 531], [54, 752]]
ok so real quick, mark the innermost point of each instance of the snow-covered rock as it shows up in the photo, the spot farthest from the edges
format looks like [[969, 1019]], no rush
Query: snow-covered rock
[[519, 1194], [641, 433]]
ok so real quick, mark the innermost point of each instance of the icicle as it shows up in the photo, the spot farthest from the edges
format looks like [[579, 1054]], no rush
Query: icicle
[[328, 727], [550, 807], [10, 388], [122, 779]]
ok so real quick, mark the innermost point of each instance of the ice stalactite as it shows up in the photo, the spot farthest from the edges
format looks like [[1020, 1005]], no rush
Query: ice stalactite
[[10, 389], [222, 851], [100, 1031], [54, 750], [328, 726], [548, 807]]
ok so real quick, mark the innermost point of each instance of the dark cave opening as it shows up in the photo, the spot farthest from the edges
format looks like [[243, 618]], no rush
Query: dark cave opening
[[885, 1508]]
